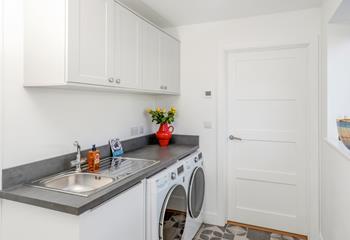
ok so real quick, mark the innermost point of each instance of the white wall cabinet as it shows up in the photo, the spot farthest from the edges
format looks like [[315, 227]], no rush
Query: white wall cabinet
[[169, 64], [160, 61], [127, 52], [90, 42], [119, 218], [96, 44], [150, 58]]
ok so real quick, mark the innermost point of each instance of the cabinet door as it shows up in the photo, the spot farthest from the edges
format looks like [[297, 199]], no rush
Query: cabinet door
[[90, 55], [150, 57], [169, 64], [127, 48], [120, 218]]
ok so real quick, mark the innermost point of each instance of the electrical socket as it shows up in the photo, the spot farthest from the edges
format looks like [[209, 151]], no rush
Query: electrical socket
[[141, 130]]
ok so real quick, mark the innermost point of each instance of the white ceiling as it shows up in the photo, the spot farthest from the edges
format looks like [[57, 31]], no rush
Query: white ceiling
[[169, 13]]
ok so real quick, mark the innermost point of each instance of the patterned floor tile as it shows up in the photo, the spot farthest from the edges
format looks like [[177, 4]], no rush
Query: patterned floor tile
[[231, 232], [258, 235]]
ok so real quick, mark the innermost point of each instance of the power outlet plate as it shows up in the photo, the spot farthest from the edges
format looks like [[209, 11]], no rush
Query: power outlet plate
[[141, 130]]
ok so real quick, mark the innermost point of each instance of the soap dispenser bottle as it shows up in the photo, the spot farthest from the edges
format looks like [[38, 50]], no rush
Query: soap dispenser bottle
[[93, 158]]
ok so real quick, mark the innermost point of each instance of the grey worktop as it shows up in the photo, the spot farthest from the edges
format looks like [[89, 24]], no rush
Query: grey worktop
[[77, 205]]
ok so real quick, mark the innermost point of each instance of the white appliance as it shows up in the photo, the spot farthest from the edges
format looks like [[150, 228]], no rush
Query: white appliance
[[166, 210], [196, 192]]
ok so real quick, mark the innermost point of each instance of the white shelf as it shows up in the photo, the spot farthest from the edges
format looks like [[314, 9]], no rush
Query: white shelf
[[339, 147]]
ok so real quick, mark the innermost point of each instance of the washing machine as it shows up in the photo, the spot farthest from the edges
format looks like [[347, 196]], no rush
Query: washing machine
[[166, 204], [195, 184]]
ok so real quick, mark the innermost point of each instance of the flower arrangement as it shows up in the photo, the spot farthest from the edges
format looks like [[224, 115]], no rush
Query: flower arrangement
[[164, 118], [161, 116]]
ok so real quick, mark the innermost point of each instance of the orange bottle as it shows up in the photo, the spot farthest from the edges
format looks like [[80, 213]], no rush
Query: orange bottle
[[93, 158]]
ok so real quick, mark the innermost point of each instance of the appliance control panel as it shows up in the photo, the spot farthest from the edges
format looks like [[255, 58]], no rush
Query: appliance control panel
[[180, 170]]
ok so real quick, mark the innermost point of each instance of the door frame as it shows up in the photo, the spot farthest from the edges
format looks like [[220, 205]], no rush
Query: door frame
[[2, 51], [313, 98]]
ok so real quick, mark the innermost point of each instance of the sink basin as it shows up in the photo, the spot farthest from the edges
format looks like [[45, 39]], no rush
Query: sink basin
[[82, 184]]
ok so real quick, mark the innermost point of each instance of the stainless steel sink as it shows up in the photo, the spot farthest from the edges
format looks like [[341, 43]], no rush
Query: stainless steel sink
[[76, 183], [85, 184]]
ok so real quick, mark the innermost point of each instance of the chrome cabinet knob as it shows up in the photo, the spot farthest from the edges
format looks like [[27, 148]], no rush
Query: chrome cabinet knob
[[165, 87], [117, 81], [173, 176], [162, 87], [111, 80]]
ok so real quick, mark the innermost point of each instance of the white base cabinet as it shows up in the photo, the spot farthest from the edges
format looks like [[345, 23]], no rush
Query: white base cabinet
[[122, 217], [96, 44]]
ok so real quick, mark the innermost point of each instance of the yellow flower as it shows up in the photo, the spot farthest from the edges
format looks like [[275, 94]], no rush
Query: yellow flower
[[149, 110], [164, 110], [172, 109], [158, 109]]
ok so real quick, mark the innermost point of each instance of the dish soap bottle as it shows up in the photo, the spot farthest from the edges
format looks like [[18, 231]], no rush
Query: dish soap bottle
[[93, 158]]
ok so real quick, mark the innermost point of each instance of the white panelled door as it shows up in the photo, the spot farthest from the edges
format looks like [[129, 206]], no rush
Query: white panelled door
[[267, 109]]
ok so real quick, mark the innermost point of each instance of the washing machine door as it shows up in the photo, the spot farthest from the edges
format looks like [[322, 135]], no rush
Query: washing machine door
[[196, 192], [173, 215]]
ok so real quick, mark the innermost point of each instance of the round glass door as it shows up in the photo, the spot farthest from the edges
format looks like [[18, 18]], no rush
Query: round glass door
[[173, 215], [196, 192]]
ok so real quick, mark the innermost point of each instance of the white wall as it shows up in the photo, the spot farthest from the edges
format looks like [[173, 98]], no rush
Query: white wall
[[1, 97], [42, 123], [338, 64], [335, 224], [335, 159], [200, 71]]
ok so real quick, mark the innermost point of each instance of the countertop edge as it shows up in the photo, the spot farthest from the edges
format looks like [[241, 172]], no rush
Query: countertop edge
[[65, 208]]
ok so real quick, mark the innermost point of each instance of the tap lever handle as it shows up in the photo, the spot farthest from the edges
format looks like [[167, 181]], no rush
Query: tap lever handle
[[76, 144]]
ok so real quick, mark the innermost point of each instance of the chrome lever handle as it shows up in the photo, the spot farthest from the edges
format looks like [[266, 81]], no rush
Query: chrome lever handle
[[231, 137]]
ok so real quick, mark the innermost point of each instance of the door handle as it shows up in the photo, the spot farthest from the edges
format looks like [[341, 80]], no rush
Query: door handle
[[231, 137]]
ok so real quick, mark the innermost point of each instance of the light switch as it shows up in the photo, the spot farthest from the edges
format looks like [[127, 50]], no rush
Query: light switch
[[208, 125]]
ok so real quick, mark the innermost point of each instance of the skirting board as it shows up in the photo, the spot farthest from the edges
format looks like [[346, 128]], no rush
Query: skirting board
[[268, 230]]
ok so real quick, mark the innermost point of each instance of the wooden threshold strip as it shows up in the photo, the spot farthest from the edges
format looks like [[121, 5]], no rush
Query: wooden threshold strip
[[268, 230]]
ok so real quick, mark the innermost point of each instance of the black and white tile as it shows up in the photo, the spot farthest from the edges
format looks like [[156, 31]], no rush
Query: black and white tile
[[231, 232]]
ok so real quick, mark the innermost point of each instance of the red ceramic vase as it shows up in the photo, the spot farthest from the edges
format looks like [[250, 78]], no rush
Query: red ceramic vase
[[164, 134]]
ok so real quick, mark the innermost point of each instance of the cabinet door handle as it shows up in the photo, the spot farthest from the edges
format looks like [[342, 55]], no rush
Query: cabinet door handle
[[111, 80], [165, 87], [232, 137], [161, 87], [117, 81]]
